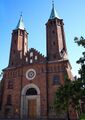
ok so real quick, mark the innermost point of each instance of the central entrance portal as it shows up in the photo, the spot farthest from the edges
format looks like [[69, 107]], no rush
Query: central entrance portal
[[32, 109], [30, 102]]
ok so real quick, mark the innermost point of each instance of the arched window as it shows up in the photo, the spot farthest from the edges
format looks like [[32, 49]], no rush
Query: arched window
[[31, 91]]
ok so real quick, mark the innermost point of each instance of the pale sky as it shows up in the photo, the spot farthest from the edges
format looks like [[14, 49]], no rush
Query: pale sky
[[35, 15]]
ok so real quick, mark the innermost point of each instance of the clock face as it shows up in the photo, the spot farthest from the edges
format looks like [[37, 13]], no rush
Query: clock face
[[30, 74]]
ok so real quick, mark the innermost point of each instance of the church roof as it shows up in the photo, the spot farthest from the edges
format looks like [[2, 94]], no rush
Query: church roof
[[20, 24], [53, 13]]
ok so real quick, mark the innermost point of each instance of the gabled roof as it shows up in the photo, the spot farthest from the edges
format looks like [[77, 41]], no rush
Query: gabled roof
[[34, 56], [20, 24], [53, 13]]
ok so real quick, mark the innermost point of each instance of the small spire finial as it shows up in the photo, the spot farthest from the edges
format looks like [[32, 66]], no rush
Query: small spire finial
[[52, 3], [21, 14]]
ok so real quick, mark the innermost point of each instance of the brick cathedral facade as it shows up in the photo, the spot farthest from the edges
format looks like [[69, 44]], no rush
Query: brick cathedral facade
[[31, 79]]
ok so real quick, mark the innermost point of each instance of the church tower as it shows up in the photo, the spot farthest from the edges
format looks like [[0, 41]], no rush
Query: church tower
[[56, 46], [19, 44], [58, 64]]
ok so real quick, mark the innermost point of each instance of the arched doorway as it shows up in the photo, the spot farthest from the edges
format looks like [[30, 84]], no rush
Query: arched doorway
[[30, 102]]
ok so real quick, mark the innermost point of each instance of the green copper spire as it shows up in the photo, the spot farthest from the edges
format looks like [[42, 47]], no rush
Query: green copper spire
[[53, 12], [20, 24]]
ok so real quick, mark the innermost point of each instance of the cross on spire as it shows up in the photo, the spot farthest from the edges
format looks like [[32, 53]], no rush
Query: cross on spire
[[52, 3]]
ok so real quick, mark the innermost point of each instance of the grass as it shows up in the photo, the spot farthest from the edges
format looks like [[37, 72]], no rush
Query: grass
[[82, 116]]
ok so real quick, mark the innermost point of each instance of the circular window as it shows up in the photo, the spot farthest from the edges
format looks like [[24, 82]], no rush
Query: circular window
[[30, 74]]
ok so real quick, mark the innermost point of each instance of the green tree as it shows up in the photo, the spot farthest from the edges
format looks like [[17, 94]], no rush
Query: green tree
[[69, 93], [72, 91], [81, 42]]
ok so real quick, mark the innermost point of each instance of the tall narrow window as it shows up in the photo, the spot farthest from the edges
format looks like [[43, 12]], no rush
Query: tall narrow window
[[20, 54], [26, 59], [20, 32], [12, 63], [31, 60], [10, 84], [9, 100], [56, 80], [31, 54], [35, 57], [54, 43]]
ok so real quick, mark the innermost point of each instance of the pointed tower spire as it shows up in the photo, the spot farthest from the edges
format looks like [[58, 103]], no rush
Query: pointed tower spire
[[20, 24], [53, 12]]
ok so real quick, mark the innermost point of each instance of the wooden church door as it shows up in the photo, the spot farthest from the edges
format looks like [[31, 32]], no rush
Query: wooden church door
[[32, 109]]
